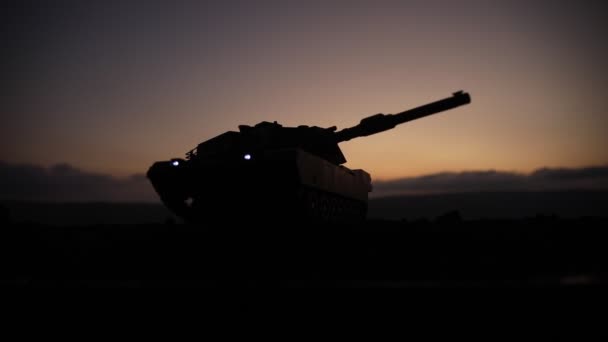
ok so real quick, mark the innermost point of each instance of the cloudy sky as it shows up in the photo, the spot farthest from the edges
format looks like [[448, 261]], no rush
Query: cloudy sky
[[64, 183], [109, 87]]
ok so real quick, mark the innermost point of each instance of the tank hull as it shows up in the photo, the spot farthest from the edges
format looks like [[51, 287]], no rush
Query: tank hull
[[284, 184]]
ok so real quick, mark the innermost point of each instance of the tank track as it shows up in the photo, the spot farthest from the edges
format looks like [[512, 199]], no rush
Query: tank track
[[321, 206], [308, 205]]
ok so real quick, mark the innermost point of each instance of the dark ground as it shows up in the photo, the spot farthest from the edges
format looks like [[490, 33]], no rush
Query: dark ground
[[471, 206], [542, 251]]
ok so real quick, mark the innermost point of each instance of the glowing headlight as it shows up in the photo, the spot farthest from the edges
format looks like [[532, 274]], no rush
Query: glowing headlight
[[175, 163], [247, 156]]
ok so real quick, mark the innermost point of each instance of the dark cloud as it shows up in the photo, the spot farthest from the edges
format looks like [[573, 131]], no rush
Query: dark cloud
[[545, 179], [598, 172], [65, 183]]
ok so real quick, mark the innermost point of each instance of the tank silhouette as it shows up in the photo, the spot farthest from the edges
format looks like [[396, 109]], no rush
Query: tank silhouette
[[273, 172]]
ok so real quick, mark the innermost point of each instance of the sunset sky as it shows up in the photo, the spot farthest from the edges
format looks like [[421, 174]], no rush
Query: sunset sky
[[112, 86]]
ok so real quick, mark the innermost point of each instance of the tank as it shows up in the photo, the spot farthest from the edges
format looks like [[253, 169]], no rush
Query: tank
[[270, 172]]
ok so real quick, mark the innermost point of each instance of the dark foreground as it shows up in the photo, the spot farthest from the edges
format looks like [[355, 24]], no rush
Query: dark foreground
[[537, 252]]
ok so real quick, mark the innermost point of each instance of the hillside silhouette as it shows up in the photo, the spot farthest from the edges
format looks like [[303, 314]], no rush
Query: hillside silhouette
[[508, 205], [478, 205], [552, 239]]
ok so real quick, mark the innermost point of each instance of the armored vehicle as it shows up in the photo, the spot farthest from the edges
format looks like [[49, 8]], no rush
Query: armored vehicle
[[267, 171]]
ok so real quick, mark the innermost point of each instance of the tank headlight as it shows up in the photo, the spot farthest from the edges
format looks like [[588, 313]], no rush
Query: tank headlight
[[247, 156], [175, 163]]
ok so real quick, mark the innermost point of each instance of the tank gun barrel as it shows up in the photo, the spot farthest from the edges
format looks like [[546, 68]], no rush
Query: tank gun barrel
[[383, 122]]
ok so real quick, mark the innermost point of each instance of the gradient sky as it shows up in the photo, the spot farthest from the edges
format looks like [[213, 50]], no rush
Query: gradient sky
[[112, 87]]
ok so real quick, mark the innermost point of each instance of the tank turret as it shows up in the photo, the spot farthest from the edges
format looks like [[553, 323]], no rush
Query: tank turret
[[268, 171]]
